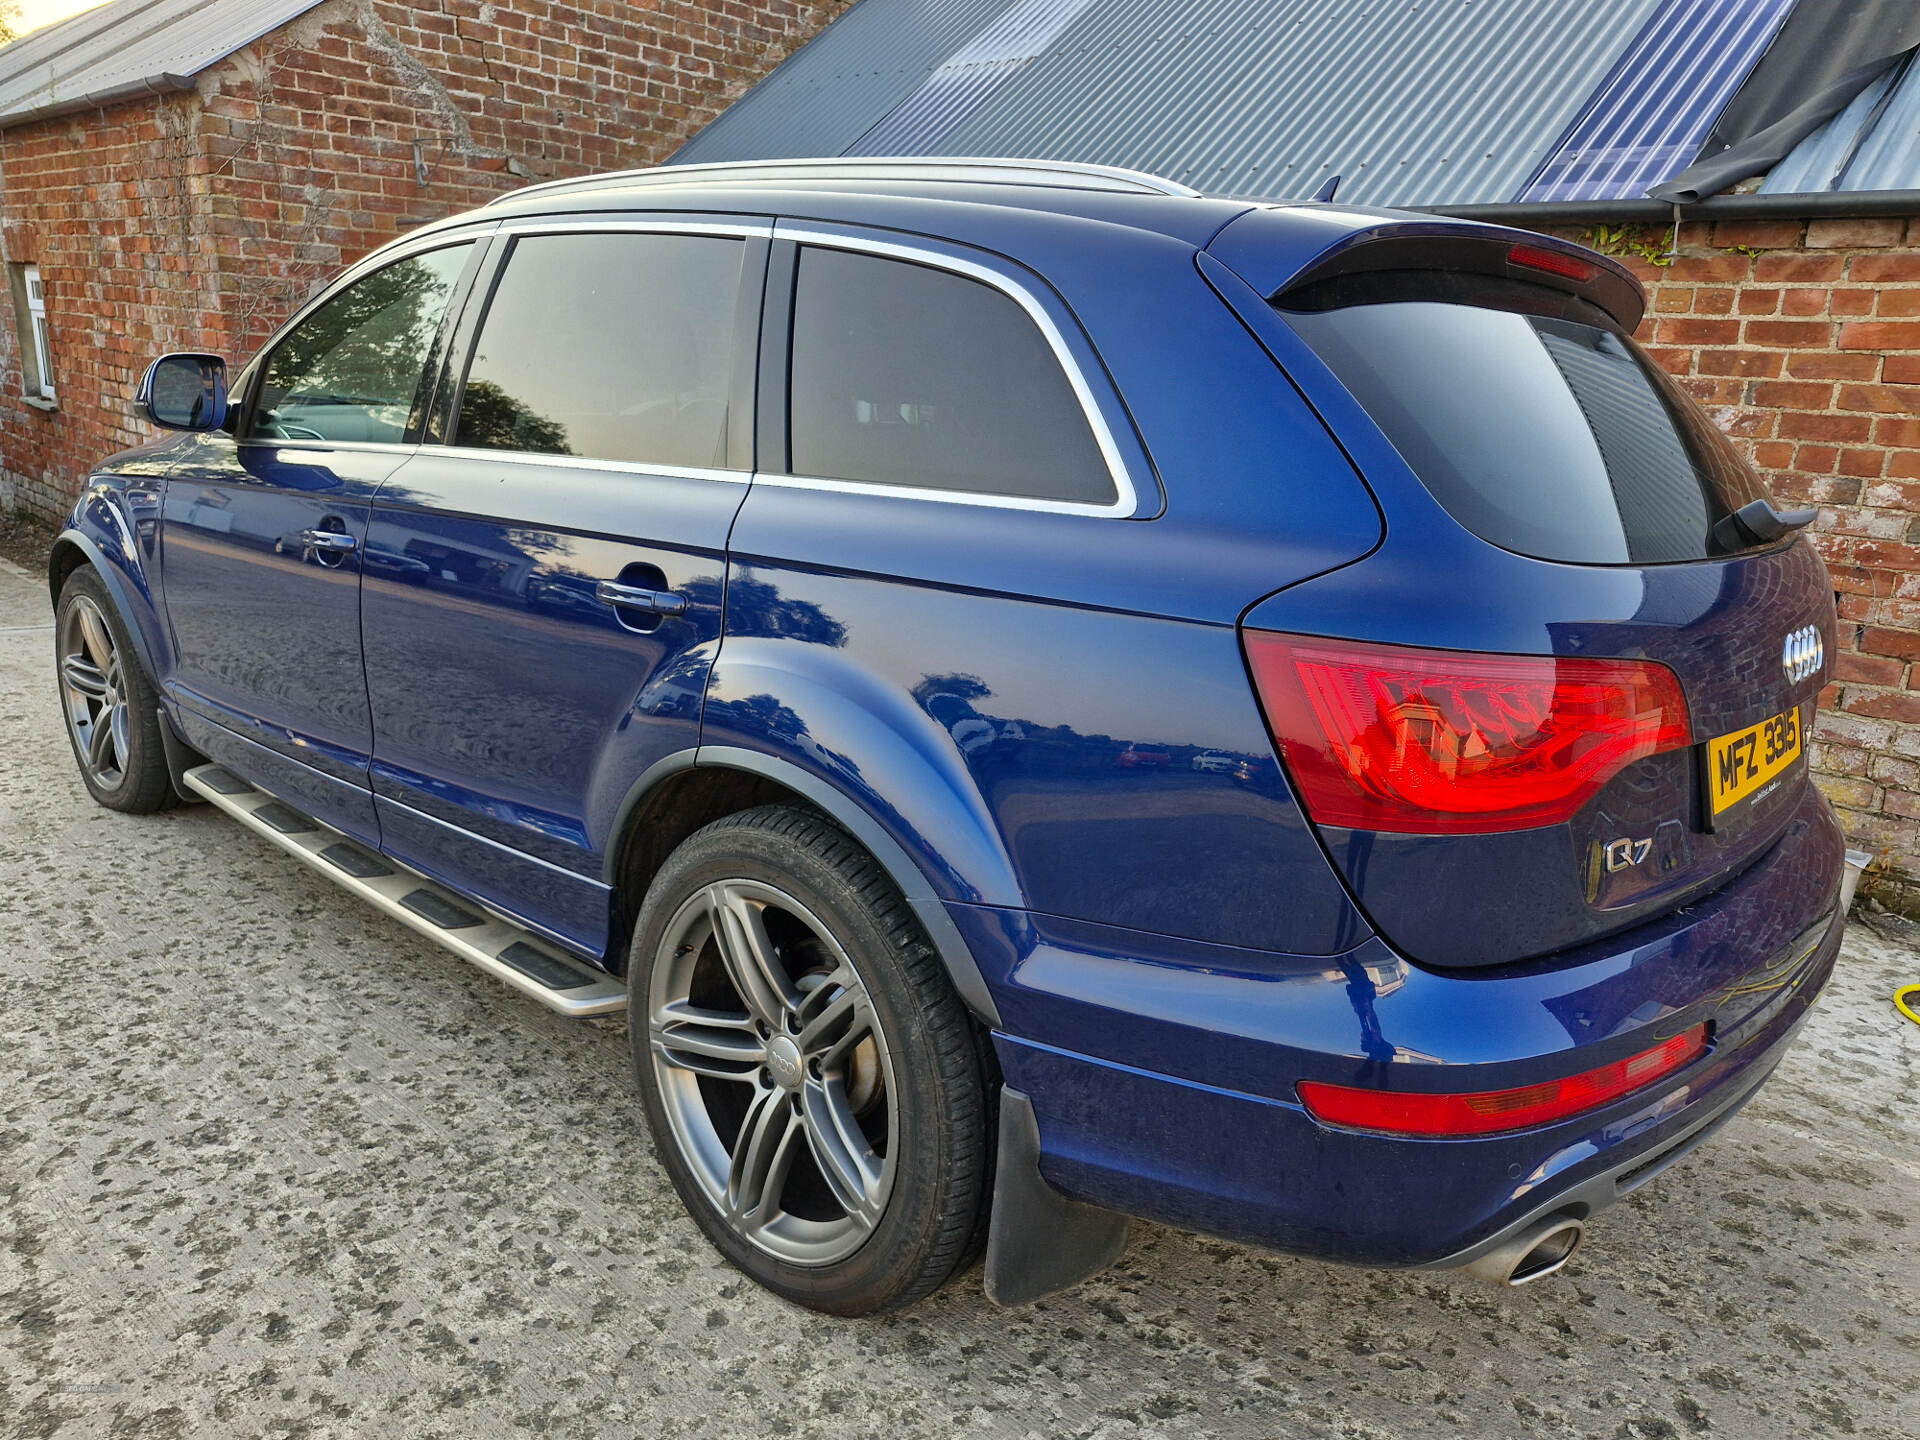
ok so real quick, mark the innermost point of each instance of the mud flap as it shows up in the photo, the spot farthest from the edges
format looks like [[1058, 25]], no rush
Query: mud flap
[[1038, 1241]]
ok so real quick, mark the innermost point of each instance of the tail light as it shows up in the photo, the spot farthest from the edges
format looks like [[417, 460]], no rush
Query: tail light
[[1485, 1112], [1532, 257], [1436, 742]]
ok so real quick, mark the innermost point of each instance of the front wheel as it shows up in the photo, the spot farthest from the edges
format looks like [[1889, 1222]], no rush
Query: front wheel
[[815, 1087], [113, 717]]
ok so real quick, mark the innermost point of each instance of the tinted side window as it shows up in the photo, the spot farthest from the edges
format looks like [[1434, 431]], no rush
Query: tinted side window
[[1544, 435], [907, 375], [352, 369], [610, 347]]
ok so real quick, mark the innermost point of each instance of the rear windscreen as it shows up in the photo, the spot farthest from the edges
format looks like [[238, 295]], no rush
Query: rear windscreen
[[1543, 435]]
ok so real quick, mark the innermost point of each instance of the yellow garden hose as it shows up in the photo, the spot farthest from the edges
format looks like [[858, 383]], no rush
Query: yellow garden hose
[[1905, 998]]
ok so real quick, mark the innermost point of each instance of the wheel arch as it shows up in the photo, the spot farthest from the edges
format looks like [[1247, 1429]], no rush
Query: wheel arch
[[685, 791], [74, 548]]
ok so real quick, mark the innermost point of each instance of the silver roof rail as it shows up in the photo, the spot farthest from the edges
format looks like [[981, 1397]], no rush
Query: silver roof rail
[[987, 171]]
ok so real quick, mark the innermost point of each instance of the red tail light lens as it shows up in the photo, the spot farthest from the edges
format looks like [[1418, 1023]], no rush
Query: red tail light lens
[[1435, 742], [1551, 261], [1487, 1112]]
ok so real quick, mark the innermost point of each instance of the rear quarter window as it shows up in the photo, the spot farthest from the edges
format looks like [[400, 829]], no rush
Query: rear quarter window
[[906, 375], [1546, 436]]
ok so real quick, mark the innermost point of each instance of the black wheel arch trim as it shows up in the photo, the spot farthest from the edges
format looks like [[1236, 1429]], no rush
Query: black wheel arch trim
[[918, 891]]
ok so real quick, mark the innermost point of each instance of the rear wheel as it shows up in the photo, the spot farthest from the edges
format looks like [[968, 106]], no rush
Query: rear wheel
[[113, 717], [813, 1083]]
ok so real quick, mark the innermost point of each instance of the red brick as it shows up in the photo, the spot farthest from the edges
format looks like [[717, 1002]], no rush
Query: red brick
[[1793, 395], [1820, 365], [1750, 363], [1901, 705], [1887, 399], [1855, 234], [1798, 425], [1795, 269], [1860, 669], [1757, 234], [1878, 269], [1879, 335], [1900, 644], [1699, 332], [1790, 334]]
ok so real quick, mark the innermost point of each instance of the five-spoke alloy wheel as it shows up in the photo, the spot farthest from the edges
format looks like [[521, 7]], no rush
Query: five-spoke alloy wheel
[[113, 718], [777, 1084], [817, 1090], [91, 683]]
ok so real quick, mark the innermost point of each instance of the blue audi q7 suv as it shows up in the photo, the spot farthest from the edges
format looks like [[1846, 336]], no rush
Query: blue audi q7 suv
[[1044, 697]]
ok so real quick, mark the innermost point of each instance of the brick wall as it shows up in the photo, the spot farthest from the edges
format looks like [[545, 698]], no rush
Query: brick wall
[[1802, 339], [198, 220]]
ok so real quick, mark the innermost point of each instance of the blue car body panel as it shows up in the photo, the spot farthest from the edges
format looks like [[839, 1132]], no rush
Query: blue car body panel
[[1041, 722], [513, 709]]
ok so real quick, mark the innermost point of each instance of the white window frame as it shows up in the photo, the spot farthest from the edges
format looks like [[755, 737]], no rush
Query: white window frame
[[37, 329]]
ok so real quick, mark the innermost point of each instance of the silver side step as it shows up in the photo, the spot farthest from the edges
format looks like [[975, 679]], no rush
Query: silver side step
[[505, 951]]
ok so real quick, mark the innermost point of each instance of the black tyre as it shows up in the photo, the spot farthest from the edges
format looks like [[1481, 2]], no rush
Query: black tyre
[[816, 1089], [113, 717]]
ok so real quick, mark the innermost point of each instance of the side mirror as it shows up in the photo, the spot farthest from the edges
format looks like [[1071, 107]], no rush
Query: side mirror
[[185, 392]]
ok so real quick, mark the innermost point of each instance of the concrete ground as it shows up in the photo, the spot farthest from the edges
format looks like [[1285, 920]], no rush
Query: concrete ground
[[272, 1165]]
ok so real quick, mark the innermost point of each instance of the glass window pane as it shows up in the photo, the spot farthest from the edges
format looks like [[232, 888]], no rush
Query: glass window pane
[[1546, 436], [610, 347], [908, 375], [352, 369]]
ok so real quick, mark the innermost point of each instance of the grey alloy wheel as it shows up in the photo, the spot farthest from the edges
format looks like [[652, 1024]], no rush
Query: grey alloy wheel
[[776, 1078], [94, 689]]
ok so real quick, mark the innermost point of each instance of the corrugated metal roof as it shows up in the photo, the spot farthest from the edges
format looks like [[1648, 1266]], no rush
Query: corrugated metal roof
[[968, 78], [1646, 121], [843, 82], [1410, 101], [1873, 144], [128, 48]]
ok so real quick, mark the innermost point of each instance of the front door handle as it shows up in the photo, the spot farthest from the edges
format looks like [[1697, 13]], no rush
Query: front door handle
[[330, 540], [632, 597]]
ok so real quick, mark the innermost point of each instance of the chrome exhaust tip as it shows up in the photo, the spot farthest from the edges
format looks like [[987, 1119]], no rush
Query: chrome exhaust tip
[[1533, 1253]]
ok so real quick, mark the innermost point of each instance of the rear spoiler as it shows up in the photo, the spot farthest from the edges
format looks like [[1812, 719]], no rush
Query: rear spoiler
[[1287, 254]]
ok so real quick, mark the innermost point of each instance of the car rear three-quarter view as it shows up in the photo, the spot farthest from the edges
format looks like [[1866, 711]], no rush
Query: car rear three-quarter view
[[1044, 696]]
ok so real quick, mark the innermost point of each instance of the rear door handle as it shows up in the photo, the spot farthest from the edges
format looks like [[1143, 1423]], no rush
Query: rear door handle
[[328, 540], [632, 597]]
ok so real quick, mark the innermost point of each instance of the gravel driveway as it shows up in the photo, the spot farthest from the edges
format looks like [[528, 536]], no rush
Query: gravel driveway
[[272, 1165]]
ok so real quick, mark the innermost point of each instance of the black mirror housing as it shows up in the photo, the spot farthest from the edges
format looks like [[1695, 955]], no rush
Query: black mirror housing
[[185, 392]]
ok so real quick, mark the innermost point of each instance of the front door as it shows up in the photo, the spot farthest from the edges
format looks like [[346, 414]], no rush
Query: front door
[[263, 536], [543, 596]]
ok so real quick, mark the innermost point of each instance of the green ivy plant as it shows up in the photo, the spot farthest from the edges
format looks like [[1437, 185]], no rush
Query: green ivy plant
[[1648, 242]]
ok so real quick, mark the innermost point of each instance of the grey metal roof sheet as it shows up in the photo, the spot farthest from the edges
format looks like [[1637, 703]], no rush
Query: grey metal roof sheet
[[822, 99], [1410, 101], [128, 48], [1873, 144]]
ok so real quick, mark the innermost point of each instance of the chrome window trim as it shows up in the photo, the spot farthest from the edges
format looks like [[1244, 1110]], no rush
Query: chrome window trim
[[390, 254], [583, 462], [533, 225], [658, 225], [358, 447], [1126, 503]]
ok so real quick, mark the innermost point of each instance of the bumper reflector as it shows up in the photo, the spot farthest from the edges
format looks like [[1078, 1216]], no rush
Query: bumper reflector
[[1487, 1112]]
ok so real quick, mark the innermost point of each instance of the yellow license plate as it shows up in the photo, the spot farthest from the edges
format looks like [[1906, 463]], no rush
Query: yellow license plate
[[1745, 762]]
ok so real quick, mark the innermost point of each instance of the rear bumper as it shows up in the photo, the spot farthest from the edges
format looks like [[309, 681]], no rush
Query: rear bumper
[[1162, 1074]]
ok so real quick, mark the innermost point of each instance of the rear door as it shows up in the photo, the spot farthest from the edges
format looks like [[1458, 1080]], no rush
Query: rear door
[[543, 592], [263, 537]]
